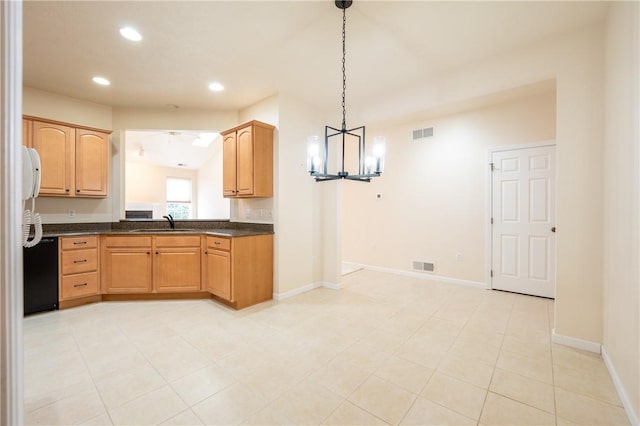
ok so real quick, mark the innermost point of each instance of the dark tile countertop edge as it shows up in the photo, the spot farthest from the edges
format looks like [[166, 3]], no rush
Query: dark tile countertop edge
[[223, 228]]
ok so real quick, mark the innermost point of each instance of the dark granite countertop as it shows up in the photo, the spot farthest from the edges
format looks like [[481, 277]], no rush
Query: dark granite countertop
[[214, 228]]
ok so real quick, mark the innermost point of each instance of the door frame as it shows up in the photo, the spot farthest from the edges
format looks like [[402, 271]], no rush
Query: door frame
[[489, 201]]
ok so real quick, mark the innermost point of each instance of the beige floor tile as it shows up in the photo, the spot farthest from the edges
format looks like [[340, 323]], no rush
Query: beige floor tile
[[186, 418], [268, 416], [71, 410], [101, 420], [586, 383], [588, 411], [229, 406], [533, 368], [452, 328], [425, 412], [538, 350], [579, 360], [406, 374], [350, 414], [365, 356], [468, 370], [39, 394], [341, 377], [307, 403], [456, 395], [174, 358], [472, 348], [499, 410], [383, 399], [383, 340], [150, 409], [201, 384], [420, 352], [523, 389], [119, 389]]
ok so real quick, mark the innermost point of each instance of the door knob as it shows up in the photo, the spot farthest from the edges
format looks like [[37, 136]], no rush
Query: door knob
[[553, 229]]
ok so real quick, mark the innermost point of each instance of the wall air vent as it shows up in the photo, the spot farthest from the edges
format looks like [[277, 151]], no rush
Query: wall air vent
[[424, 266], [422, 133]]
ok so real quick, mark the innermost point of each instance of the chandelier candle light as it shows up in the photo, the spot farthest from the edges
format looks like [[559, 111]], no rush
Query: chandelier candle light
[[370, 163]]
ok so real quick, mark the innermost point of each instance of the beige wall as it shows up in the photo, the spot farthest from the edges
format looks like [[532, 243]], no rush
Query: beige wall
[[433, 191], [62, 108], [621, 200], [148, 184], [211, 203]]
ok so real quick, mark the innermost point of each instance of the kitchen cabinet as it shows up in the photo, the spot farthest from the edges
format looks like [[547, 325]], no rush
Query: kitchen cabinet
[[126, 264], [151, 264], [239, 270], [75, 160], [176, 263], [79, 267], [248, 160]]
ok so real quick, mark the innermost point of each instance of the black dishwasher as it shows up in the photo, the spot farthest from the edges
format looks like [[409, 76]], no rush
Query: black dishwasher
[[40, 265]]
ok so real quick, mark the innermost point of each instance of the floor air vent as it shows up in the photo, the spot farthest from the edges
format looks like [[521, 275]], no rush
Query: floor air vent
[[422, 133], [423, 266]]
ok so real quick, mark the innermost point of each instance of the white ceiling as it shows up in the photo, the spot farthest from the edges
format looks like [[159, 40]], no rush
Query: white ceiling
[[169, 148], [260, 48]]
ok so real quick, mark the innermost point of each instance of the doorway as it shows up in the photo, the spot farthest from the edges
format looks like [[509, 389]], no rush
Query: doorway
[[522, 211]]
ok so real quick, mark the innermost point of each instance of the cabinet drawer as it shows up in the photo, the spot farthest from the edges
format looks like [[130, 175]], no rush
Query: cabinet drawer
[[72, 243], [219, 243], [79, 285], [177, 241], [126, 241], [76, 261]]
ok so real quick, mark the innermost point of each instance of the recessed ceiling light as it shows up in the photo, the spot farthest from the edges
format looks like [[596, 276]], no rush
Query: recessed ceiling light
[[130, 34], [101, 81], [216, 87]]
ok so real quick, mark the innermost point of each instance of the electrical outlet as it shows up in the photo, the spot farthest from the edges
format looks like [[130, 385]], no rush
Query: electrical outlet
[[459, 257], [71, 213]]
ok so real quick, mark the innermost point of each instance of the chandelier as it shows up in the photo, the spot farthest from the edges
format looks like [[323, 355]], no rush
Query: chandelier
[[370, 163]]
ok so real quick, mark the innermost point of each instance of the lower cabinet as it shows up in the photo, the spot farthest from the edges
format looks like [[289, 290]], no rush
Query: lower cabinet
[[176, 264], [78, 267], [239, 270], [126, 264], [151, 264]]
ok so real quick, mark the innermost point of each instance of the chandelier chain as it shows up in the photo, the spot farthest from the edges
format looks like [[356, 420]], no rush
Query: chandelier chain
[[344, 72]]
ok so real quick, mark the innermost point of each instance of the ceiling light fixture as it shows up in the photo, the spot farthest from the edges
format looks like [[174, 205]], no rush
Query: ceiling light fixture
[[204, 139], [216, 87], [370, 164], [101, 81], [130, 34]]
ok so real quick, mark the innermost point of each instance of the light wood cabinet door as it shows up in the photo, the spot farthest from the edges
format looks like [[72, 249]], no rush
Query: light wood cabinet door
[[54, 145], [126, 270], [218, 273], [26, 132], [91, 163], [176, 270], [244, 161], [229, 165]]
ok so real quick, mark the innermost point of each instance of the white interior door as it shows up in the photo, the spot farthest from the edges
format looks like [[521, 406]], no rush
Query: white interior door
[[523, 213]]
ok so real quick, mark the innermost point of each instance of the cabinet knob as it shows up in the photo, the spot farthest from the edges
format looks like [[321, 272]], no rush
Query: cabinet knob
[[206, 252], [156, 252], [67, 190], [148, 252], [77, 190]]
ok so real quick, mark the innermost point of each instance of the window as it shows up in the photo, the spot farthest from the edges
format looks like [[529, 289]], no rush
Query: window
[[179, 198]]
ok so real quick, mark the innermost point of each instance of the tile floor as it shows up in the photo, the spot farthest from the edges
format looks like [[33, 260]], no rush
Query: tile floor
[[386, 349]]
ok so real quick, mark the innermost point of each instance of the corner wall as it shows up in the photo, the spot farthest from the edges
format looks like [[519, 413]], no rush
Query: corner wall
[[621, 158]]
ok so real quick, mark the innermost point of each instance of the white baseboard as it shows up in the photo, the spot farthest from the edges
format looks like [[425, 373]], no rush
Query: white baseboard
[[305, 288], [420, 275], [622, 394], [574, 342]]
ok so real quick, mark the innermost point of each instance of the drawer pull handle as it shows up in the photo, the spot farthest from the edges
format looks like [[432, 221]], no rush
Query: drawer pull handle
[[80, 285], [217, 243], [79, 243], [80, 261]]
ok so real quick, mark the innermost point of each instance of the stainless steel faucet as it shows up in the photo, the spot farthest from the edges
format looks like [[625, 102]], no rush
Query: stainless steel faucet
[[172, 223]]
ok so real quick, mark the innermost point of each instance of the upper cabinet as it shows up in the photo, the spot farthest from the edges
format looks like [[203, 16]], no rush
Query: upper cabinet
[[74, 160], [248, 160]]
